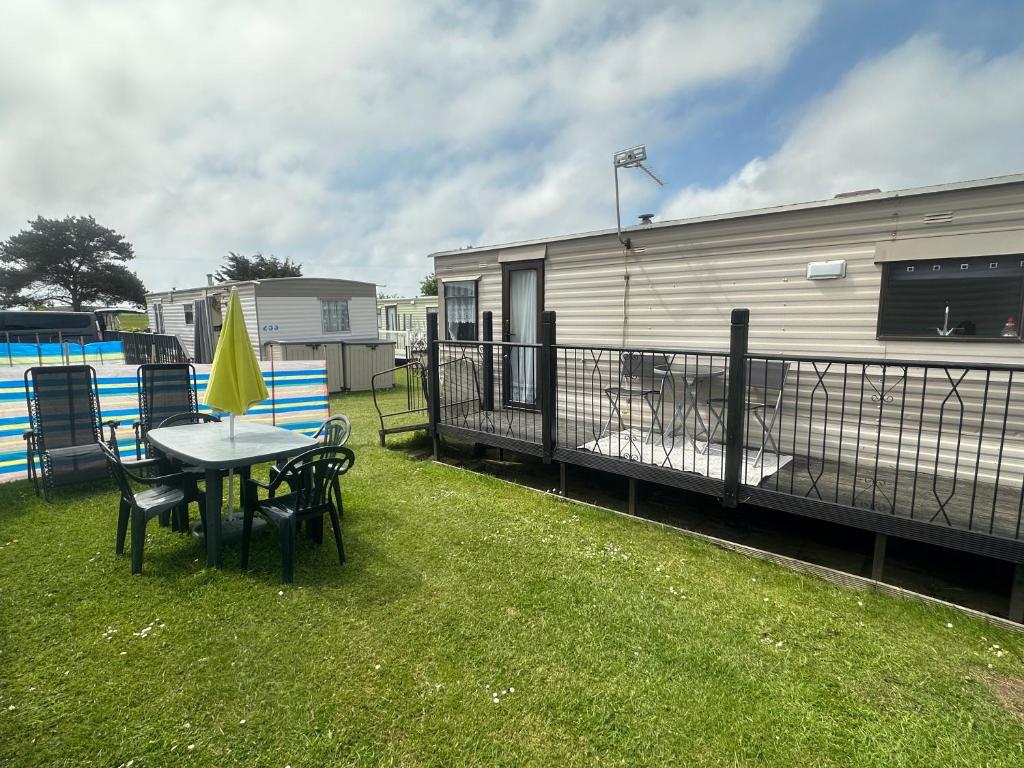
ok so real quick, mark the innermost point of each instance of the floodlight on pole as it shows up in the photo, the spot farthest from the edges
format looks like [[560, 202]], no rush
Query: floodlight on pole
[[634, 157]]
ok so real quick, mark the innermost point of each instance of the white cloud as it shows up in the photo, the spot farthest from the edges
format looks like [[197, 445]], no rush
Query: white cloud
[[920, 114], [355, 138]]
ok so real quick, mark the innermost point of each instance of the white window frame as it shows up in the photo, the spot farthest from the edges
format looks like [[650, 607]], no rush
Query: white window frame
[[329, 318], [476, 304]]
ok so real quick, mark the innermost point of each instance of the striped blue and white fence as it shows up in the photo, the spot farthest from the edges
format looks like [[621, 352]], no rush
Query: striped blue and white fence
[[17, 354], [298, 401]]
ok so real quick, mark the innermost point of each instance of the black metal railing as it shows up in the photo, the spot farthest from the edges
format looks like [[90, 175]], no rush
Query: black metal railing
[[400, 397], [931, 443], [149, 347], [937, 442], [644, 405], [491, 387]]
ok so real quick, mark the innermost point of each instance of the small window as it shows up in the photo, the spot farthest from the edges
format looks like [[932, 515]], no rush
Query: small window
[[460, 309], [190, 316], [334, 316], [977, 298]]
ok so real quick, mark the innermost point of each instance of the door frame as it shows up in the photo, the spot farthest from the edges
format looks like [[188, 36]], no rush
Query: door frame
[[506, 367]]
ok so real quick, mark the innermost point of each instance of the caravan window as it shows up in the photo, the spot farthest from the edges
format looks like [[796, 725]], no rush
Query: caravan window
[[460, 309], [190, 315], [334, 316], [977, 298]]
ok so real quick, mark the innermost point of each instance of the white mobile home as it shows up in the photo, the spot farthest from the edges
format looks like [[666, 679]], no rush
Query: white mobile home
[[283, 309], [881, 384], [408, 314], [404, 321], [867, 275]]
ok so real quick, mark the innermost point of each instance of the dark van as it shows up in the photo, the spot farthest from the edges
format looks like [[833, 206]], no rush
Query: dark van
[[42, 327]]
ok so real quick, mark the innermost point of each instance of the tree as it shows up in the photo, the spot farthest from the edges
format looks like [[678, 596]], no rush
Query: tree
[[256, 267], [73, 261], [428, 285]]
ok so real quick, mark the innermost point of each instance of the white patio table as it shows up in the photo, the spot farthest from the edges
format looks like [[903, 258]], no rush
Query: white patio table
[[210, 447]]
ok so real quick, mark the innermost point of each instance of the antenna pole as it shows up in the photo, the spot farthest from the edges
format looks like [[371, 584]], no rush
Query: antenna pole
[[618, 213]]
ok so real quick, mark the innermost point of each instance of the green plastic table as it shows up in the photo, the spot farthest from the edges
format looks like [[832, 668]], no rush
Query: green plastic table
[[209, 447]]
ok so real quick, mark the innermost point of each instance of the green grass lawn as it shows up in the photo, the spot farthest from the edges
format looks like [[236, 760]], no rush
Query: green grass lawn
[[132, 321], [475, 623]]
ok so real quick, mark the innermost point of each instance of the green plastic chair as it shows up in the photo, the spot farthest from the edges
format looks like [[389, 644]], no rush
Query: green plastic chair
[[313, 475], [168, 494]]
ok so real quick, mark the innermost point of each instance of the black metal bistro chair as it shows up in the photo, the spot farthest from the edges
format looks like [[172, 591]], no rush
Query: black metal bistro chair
[[766, 380], [170, 493], [317, 470], [65, 427], [166, 390], [642, 376]]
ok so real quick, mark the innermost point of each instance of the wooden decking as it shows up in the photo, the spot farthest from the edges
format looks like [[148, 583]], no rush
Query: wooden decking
[[959, 503]]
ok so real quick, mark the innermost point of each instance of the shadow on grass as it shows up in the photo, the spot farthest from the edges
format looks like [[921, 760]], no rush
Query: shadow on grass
[[369, 576], [413, 445], [19, 498]]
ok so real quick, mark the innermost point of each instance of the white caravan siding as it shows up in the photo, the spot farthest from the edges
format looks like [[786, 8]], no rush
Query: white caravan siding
[[412, 313], [684, 280], [297, 318], [173, 307], [684, 284]]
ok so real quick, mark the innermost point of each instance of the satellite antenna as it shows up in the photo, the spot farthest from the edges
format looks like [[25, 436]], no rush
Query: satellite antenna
[[634, 157]]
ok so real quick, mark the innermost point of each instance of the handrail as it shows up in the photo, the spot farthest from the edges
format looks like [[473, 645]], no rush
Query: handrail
[[960, 365], [454, 343]]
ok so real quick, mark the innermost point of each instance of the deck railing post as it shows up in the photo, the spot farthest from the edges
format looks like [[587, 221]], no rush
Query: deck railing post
[[433, 383], [547, 377], [487, 361], [735, 411]]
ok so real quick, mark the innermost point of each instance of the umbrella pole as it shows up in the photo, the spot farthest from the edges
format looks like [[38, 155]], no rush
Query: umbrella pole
[[231, 472]]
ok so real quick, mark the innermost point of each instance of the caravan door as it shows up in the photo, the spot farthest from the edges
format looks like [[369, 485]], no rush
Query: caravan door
[[522, 301]]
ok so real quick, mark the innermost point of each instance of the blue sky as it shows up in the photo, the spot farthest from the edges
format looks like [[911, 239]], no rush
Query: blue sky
[[357, 139]]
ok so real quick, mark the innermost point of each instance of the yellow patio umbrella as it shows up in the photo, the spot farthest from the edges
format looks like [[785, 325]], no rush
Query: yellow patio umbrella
[[236, 382]]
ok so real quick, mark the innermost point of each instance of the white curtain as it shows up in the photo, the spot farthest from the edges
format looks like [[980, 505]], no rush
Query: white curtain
[[460, 310], [523, 325]]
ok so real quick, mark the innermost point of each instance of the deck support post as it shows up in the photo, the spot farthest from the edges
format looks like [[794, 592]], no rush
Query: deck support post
[[487, 361], [434, 383], [878, 558], [735, 411], [1017, 594], [547, 380], [563, 478], [632, 496]]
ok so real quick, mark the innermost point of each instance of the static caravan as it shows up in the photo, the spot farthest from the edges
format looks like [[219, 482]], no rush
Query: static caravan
[[883, 371], [404, 321], [867, 275], [303, 311]]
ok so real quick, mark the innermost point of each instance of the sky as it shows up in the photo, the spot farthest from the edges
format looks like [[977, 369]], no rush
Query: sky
[[357, 138]]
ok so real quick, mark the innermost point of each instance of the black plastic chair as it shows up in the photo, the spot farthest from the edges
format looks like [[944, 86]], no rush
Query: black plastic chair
[[192, 417], [166, 390], [170, 493], [177, 420], [334, 432], [317, 471], [65, 427]]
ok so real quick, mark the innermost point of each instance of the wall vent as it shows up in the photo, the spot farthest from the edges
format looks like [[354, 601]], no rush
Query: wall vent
[[943, 217]]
